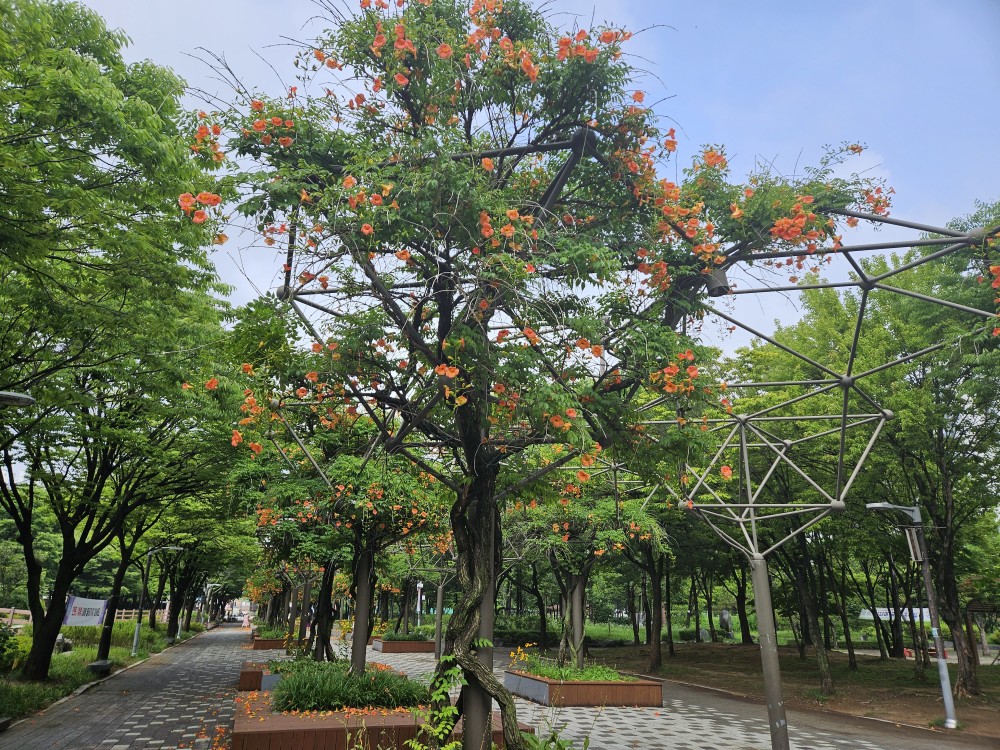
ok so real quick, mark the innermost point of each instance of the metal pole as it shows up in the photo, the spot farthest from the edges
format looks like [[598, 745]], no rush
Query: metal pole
[[438, 644], [142, 592], [950, 721], [769, 653], [420, 600]]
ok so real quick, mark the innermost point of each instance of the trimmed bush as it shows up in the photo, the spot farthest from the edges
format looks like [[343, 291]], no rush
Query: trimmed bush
[[414, 635], [327, 686]]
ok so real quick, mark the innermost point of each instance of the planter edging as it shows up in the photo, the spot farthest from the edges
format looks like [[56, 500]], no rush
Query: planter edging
[[550, 692]]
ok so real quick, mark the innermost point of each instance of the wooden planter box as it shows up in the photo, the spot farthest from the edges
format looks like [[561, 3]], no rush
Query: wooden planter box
[[251, 676], [403, 647], [257, 728], [583, 693], [263, 644]]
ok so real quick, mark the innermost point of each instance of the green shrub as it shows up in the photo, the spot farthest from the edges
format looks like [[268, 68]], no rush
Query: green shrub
[[122, 634], [327, 686], [269, 632], [8, 648], [413, 635], [549, 669], [530, 662]]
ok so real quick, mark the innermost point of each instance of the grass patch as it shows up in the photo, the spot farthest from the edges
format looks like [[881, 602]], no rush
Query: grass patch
[[69, 670], [267, 633], [549, 668], [327, 686]]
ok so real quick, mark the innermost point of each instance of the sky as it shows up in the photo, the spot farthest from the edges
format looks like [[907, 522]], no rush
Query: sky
[[917, 82]]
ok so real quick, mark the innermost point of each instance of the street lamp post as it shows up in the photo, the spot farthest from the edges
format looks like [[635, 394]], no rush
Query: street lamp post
[[420, 598], [142, 592], [918, 551]]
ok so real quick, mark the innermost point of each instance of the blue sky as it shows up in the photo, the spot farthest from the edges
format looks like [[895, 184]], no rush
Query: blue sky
[[916, 81]]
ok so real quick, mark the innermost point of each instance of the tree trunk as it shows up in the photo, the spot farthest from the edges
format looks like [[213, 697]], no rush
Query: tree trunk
[[669, 604], [644, 600], [918, 655], [632, 611], [840, 589], [870, 587], [746, 637], [161, 584], [807, 590], [293, 616], [104, 647], [46, 623], [706, 586], [967, 679], [896, 649], [695, 605], [543, 626], [322, 627], [188, 612], [476, 526], [305, 614], [579, 585], [176, 604], [655, 561], [362, 588]]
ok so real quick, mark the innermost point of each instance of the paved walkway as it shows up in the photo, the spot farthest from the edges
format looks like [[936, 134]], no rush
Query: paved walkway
[[183, 698], [180, 698], [695, 719]]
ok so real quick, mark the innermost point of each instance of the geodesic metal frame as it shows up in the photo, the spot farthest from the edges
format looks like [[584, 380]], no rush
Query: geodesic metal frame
[[756, 431]]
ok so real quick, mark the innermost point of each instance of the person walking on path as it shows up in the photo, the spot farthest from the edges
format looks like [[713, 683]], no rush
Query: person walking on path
[[246, 620]]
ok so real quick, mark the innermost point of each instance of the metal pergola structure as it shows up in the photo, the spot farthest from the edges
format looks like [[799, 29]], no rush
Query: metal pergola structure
[[771, 436], [764, 441]]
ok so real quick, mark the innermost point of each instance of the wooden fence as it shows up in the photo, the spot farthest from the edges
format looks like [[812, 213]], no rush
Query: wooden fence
[[16, 618]]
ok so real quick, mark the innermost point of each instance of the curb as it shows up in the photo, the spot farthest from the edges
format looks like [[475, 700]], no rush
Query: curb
[[85, 687]]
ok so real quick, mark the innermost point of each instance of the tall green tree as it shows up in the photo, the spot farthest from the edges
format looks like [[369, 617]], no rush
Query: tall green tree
[[474, 210], [105, 290]]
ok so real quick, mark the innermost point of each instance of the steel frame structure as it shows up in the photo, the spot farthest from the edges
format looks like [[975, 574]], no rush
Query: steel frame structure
[[746, 435]]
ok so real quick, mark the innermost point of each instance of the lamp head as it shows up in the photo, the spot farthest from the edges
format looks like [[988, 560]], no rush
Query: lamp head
[[10, 398], [716, 283]]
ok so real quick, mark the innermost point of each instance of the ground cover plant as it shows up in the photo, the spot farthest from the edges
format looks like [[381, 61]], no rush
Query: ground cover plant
[[269, 632], [329, 686], [414, 635], [69, 671], [532, 663]]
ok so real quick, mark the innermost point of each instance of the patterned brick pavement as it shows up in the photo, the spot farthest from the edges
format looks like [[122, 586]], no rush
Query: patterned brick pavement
[[180, 698], [698, 720], [183, 698]]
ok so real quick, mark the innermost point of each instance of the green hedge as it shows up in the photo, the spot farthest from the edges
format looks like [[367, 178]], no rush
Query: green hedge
[[327, 686]]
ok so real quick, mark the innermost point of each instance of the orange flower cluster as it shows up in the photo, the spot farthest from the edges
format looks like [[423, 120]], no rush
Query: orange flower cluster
[[206, 135], [671, 377], [878, 201], [802, 227], [189, 203], [271, 127]]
